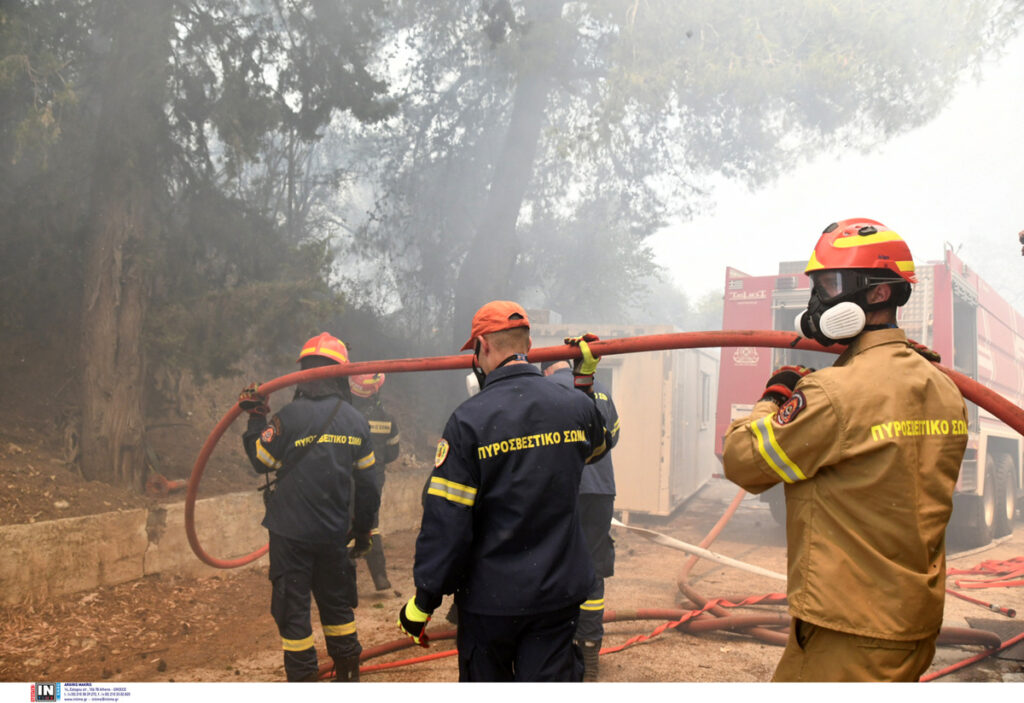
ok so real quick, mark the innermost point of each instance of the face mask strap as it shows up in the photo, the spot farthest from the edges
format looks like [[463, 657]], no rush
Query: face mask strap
[[477, 370]]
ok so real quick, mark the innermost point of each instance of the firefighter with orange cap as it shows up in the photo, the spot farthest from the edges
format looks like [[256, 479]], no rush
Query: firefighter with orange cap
[[324, 492], [384, 435], [500, 526], [869, 452]]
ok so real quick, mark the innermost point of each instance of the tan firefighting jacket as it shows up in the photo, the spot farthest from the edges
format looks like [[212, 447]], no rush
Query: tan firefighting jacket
[[869, 451]]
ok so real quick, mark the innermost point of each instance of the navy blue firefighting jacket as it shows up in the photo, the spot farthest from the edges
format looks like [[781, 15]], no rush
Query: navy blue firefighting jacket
[[311, 499], [383, 430], [599, 478], [500, 526]]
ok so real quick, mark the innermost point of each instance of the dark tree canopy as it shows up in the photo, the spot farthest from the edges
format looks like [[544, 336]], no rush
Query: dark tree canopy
[[638, 104], [182, 181]]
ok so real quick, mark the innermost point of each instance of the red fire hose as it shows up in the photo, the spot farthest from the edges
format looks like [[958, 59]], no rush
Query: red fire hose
[[685, 621], [971, 389]]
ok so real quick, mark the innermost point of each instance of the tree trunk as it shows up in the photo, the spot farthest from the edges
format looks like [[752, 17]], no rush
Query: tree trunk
[[126, 191], [487, 268]]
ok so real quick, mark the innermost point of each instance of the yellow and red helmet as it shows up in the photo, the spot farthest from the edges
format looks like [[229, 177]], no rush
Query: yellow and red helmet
[[365, 385], [860, 243], [327, 346]]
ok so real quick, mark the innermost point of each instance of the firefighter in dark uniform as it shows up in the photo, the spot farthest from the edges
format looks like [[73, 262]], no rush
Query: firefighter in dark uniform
[[869, 451], [597, 502], [501, 528], [320, 448], [384, 435]]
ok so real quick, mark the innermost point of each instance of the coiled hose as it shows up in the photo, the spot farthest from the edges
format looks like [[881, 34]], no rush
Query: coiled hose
[[984, 397]]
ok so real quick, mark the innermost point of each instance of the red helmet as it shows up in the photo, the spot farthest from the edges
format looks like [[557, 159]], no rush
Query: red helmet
[[366, 384], [860, 243], [327, 346]]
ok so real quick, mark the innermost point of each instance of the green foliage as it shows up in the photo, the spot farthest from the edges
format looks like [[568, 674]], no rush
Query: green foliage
[[211, 333], [647, 100], [239, 257], [267, 198]]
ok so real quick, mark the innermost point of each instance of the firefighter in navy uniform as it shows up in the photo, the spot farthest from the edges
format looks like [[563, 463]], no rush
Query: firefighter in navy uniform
[[384, 435], [597, 502], [501, 528], [320, 447], [869, 451]]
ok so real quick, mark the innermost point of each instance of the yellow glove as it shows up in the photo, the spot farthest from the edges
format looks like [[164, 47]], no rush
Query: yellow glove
[[413, 622], [583, 368]]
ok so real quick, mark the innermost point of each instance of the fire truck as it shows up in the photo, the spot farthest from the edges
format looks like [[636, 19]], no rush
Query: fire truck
[[952, 311]]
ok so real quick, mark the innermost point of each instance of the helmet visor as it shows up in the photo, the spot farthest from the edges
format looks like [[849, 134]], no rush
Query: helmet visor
[[831, 284]]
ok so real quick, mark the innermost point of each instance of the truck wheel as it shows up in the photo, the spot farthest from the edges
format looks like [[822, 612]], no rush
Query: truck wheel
[[1005, 494], [979, 526]]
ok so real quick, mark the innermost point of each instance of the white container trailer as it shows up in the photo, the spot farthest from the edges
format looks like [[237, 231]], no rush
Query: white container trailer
[[666, 402]]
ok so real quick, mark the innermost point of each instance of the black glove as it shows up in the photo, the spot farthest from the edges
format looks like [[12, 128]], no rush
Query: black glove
[[413, 622], [929, 354], [361, 546], [782, 382], [583, 368], [252, 402]]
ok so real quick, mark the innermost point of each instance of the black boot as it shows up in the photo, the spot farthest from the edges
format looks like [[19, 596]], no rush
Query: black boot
[[591, 650], [375, 562], [346, 670]]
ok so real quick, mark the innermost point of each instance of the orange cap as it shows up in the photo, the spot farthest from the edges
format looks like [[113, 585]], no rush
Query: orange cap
[[496, 316], [365, 385]]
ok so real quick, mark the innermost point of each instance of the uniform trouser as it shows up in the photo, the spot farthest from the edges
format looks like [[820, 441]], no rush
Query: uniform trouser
[[519, 648], [375, 557], [298, 569], [596, 519], [816, 653]]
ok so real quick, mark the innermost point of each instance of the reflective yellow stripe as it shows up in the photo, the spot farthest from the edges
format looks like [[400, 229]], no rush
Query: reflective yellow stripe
[[595, 604], [455, 492], [813, 264], [330, 353], [266, 457], [596, 451], [393, 440], [348, 628], [297, 645], [615, 428], [772, 453], [366, 462]]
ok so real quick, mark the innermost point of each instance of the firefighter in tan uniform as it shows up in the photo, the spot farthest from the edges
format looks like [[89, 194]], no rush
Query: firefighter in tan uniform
[[869, 451]]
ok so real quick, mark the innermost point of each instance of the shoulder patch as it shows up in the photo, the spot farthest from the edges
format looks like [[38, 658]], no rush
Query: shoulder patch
[[791, 408], [268, 434], [442, 453]]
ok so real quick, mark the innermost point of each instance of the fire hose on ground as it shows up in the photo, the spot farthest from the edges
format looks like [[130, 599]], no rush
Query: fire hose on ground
[[982, 396]]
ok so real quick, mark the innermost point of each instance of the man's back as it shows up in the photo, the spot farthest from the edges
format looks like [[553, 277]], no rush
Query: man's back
[[871, 451], [510, 479], [902, 432]]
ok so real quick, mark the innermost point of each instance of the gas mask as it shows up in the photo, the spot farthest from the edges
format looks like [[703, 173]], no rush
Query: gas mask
[[472, 384], [836, 311], [833, 323]]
